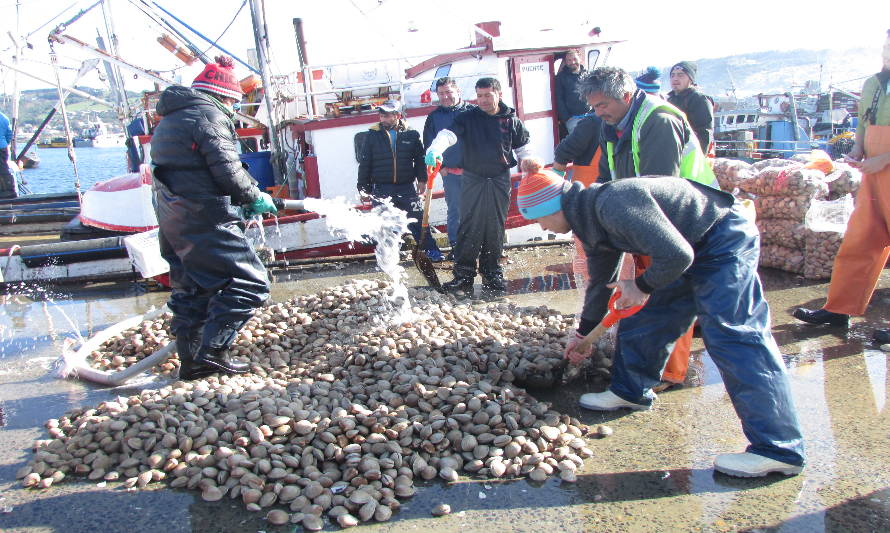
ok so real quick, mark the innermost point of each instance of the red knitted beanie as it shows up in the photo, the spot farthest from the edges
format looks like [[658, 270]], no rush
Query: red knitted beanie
[[219, 78]]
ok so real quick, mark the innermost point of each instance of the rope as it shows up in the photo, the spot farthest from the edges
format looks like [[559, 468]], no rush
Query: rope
[[50, 21], [71, 155], [243, 3]]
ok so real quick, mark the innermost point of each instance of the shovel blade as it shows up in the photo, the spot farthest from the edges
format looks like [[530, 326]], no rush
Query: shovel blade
[[425, 266]]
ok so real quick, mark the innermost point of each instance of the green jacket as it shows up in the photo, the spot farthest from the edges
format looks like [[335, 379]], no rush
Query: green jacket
[[657, 140], [868, 95]]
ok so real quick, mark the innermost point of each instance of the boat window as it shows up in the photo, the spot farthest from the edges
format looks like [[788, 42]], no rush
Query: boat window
[[443, 70], [750, 118], [592, 57], [730, 119]]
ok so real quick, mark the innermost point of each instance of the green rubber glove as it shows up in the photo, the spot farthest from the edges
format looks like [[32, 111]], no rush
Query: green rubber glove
[[561, 173], [263, 204], [432, 157]]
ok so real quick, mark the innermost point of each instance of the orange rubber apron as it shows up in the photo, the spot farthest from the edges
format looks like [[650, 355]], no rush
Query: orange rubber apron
[[866, 245], [585, 174]]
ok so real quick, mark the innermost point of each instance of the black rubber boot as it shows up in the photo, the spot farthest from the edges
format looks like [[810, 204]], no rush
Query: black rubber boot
[[459, 286], [494, 287], [821, 316], [882, 336], [186, 346], [216, 358]]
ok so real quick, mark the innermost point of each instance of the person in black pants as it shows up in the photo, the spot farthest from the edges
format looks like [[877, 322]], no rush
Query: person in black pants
[[202, 193], [490, 133]]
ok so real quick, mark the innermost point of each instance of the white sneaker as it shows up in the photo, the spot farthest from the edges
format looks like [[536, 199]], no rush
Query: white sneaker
[[608, 401], [752, 465]]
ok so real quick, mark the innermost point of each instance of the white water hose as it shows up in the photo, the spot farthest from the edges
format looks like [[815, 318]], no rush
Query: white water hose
[[74, 363]]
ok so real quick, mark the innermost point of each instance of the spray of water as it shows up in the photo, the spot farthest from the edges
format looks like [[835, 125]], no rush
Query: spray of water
[[384, 224]]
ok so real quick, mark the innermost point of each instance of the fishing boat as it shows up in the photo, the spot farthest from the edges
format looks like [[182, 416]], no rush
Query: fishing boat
[[781, 125], [55, 142], [30, 159], [97, 135], [325, 120]]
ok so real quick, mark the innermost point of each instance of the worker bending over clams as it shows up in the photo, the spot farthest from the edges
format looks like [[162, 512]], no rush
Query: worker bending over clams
[[704, 254]]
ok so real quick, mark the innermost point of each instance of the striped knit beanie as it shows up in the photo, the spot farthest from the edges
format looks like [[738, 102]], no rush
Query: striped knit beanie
[[219, 79], [648, 80], [540, 191]]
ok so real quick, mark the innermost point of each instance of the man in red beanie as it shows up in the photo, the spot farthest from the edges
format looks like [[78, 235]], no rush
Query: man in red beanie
[[698, 238], [202, 193]]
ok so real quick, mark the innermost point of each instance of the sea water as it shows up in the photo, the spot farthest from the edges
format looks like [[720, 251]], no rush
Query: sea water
[[56, 173]]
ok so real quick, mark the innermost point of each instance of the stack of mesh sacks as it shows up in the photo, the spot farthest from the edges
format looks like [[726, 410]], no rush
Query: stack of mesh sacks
[[783, 191]]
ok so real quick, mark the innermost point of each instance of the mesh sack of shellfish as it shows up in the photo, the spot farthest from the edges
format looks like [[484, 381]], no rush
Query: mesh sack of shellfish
[[731, 172], [783, 207], [775, 181], [774, 162], [826, 222], [782, 257], [341, 412], [784, 232], [844, 180], [821, 249]]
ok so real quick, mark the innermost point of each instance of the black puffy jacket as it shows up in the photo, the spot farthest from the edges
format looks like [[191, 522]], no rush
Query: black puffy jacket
[[194, 149], [489, 140], [699, 109], [378, 164]]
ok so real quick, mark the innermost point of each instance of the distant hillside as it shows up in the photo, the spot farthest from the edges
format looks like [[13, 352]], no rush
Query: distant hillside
[[36, 103], [780, 71]]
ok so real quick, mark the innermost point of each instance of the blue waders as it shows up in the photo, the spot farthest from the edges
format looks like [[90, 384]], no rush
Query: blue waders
[[722, 289]]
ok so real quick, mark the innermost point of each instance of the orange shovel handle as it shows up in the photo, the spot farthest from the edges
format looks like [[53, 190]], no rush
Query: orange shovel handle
[[614, 315]]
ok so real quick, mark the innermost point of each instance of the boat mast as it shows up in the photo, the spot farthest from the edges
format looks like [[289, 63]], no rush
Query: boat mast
[[115, 78], [311, 104], [15, 80], [261, 37], [794, 121], [54, 60]]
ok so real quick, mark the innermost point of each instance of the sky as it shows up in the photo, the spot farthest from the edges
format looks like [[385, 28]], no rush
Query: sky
[[656, 33]]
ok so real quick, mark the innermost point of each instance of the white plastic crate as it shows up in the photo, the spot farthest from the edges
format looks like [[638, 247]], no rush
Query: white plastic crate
[[145, 253]]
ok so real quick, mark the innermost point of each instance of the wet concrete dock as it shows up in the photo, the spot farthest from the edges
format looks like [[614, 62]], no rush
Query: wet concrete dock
[[653, 474]]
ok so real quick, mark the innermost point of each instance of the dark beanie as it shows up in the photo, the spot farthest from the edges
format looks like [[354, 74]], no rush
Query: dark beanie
[[688, 67]]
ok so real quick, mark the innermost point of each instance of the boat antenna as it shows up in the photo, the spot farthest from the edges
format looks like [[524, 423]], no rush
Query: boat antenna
[[71, 155]]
